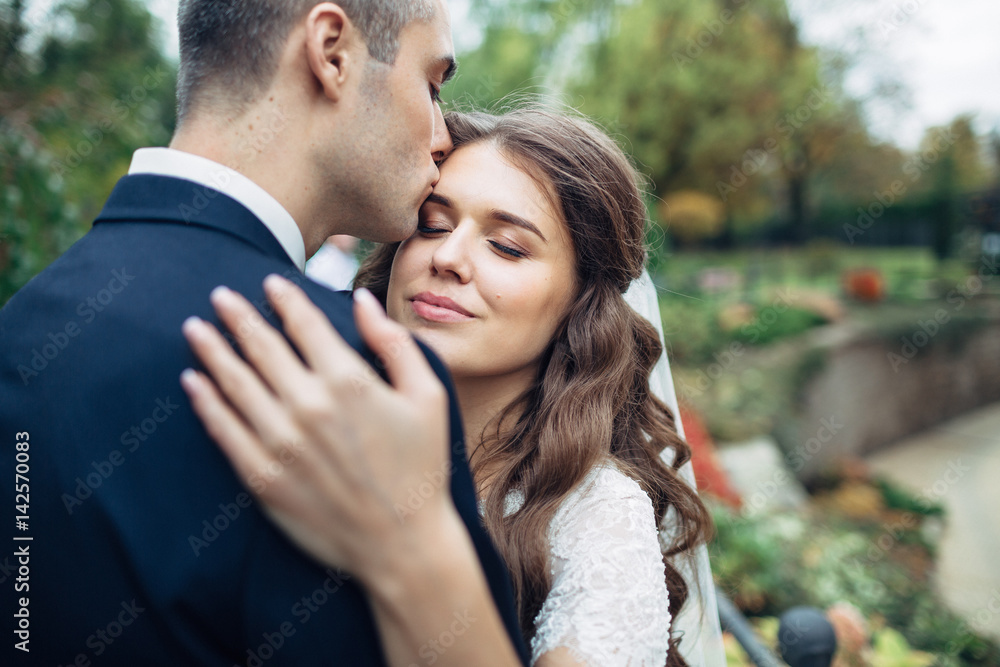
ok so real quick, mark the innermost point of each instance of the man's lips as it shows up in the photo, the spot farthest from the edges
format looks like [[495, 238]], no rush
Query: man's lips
[[439, 308]]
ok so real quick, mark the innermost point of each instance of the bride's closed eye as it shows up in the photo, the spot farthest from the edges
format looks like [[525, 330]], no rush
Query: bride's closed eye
[[429, 230], [507, 249]]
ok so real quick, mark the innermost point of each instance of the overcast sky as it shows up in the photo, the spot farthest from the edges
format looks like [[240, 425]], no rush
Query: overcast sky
[[946, 53]]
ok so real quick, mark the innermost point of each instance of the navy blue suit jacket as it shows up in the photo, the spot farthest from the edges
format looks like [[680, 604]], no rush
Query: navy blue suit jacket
[[146, 549]]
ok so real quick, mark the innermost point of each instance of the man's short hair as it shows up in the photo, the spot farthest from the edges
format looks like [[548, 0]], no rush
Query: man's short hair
[[229, 49]]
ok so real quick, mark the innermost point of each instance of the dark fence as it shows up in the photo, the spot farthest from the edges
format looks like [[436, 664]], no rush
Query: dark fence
[[930, 222]]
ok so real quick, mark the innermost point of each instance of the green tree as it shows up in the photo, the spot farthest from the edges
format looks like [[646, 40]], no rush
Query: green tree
[[953, 158], [525, 46], [721, 97], [72, 112], [718, 97]]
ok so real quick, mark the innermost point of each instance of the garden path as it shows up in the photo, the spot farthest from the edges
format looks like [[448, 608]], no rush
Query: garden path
[[958, 465]]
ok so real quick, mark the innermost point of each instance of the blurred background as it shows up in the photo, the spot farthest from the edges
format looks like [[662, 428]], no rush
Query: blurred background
[[824, 187]]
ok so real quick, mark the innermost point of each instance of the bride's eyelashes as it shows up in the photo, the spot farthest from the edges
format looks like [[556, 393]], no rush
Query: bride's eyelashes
[[508, 250], [424, 229]]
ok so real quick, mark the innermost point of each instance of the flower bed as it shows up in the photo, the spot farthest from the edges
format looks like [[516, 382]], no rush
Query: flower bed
[[861, 548]]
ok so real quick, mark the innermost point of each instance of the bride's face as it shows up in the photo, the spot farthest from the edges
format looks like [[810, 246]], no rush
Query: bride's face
[[489, 273]]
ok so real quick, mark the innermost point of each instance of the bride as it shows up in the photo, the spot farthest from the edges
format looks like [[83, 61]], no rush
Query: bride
[[516, 277]]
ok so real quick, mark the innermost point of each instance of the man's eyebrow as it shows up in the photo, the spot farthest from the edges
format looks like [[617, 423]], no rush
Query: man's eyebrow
[[495, 214]]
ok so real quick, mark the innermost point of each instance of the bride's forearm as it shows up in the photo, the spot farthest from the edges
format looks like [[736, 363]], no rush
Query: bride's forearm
[[433, 605]]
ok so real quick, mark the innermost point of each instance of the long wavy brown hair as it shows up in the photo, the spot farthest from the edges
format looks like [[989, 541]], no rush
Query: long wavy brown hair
[[591, 400]]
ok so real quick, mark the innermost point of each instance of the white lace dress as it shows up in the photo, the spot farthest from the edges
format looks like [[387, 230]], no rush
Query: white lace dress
[[608, 603]]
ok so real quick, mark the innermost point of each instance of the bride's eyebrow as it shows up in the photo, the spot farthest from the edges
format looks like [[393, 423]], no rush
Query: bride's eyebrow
[[510, 218], [435, 198], [494, 214]]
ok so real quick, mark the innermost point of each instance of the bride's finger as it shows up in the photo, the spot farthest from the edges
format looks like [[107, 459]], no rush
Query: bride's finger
[[407, 367], [265, 349], [304, 323], [238, 382], [239, 443]]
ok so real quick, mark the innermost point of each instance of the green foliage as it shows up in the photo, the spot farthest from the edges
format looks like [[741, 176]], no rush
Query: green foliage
[[791, 323], [769, 563], [479, 85], [71, 114], [892, 650], [723, 98], [36, 223], [898, 498], [695, 336], [718, 97]]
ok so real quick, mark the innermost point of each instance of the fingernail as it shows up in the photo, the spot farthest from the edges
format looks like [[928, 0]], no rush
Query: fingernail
[[193, 327], [220, 294], [274, 283], [364, 295], [189, 379]]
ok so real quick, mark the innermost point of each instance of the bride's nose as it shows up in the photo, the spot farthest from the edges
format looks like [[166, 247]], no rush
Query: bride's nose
[[452, 256]]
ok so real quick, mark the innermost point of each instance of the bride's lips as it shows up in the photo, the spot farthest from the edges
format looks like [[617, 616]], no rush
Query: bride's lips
[[438, 308]]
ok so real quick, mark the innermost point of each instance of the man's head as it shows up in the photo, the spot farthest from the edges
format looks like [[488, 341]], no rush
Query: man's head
[[356, 81]]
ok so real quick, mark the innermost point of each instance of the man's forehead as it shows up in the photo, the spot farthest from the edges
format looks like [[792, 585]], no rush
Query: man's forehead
[[442, 11], [433, 37], [442, 21]]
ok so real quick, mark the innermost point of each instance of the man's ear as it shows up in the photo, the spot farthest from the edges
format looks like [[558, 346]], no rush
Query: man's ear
[[331, 48]]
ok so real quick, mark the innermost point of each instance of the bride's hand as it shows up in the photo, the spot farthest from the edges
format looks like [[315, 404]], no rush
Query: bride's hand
[[331, 450]]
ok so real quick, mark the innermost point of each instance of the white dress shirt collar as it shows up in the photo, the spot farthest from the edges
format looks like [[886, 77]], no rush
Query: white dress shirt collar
[[200, 170]]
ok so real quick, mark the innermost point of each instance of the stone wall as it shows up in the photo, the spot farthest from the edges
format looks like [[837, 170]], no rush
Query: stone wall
[[875, 387]]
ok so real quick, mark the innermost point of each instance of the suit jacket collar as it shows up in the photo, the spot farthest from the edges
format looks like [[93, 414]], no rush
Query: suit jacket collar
[[149, 198]]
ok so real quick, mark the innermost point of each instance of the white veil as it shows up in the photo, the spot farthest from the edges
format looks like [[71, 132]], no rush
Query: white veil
[[699, 620]]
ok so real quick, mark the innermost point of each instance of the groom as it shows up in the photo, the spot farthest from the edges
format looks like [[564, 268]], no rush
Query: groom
[[134, 541]]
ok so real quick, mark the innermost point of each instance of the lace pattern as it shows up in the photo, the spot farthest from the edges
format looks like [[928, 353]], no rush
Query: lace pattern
[[609, 602]]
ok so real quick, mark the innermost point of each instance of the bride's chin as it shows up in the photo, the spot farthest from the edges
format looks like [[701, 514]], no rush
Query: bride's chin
[[433, 336], [445, 347]]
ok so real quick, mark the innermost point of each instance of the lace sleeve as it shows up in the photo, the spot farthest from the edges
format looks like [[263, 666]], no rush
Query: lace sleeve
[[608, 603]]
